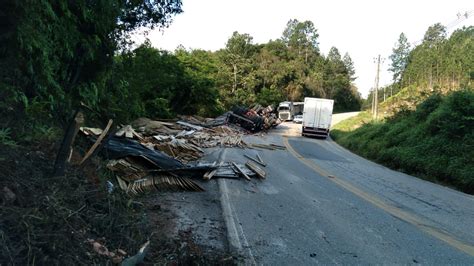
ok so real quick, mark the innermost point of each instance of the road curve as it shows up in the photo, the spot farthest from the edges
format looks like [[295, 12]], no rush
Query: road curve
[[323, 204]]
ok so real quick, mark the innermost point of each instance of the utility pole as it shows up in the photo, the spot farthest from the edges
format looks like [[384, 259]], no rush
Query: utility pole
[[373, 97], [376, 100], [373, 100]]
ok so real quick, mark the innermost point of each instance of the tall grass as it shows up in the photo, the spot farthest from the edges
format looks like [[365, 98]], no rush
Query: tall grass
[[435, 142]]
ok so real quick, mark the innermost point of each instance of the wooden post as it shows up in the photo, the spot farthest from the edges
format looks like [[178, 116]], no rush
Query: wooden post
[[68, 140]]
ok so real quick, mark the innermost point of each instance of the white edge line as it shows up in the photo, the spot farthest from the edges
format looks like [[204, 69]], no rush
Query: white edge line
[[235, 233]]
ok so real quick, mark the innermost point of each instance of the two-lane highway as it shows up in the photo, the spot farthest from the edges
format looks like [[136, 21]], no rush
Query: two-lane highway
[[323, 204]]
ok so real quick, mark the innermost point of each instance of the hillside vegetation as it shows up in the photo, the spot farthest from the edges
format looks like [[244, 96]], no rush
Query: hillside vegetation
[[59, 56], [427, 127], [435, 142]]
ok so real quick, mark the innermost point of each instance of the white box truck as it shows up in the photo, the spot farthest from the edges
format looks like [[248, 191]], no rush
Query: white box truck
[[317, 116]]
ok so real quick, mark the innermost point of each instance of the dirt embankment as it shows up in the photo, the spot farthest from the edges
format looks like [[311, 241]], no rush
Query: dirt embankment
[[54, 220]]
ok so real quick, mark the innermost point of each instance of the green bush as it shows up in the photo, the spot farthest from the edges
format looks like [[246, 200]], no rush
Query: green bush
[[428, 106], [455, 118]]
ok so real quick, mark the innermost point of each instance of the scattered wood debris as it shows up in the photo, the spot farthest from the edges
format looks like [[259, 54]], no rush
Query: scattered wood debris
[[150, 155]]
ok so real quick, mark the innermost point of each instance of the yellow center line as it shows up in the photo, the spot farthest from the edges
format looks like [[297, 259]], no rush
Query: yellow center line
[[397, 212]]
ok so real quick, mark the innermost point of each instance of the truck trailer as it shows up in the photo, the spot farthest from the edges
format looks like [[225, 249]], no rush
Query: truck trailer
[[298, 108], [317, 116]]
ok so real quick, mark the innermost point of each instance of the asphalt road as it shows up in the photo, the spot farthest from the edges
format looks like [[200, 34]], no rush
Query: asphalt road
[[323, 204]]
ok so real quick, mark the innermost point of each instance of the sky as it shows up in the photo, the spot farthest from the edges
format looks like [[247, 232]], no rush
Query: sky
[[364, 28]]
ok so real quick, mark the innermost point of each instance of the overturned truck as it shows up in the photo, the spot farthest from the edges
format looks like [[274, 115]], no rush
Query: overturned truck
[[254, 119]]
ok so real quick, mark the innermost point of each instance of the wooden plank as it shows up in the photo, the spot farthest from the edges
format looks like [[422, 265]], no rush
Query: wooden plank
[[255, 160], [278, 146], [256, 169], [97, 143], [209, 174], [270, 146], [262, 146], [240, 171]]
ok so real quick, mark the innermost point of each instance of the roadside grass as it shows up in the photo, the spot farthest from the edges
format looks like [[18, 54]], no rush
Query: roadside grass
[[353, 123], [434, 142]]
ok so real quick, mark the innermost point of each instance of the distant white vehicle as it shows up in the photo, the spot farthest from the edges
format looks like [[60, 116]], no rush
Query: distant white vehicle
[[317, 117], [298, 119], [285, 111], [288, 110]]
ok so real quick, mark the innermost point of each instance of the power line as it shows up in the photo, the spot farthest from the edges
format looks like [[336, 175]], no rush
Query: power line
[[460, 18]]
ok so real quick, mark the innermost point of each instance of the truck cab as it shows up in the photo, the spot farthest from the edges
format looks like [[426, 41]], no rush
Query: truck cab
[[285, 111]]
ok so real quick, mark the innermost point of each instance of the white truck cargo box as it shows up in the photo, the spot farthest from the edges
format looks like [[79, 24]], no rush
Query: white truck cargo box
[[317, 116]]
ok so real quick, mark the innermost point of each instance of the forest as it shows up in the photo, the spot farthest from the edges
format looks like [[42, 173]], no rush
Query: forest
[[437, 64], [60, 56]]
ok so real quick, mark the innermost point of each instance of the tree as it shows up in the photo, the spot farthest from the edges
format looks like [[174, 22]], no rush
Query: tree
[[435, 34], [238, 49], [301, 37], [439, 63], [337, 82], [336, 67], [54, 54], [349, 66], [199, 94], [434, 37], [335, 62], [399, 57]]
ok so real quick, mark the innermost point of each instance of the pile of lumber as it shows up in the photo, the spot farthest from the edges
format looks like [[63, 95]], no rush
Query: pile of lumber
[[150, 155], [181, 140]]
